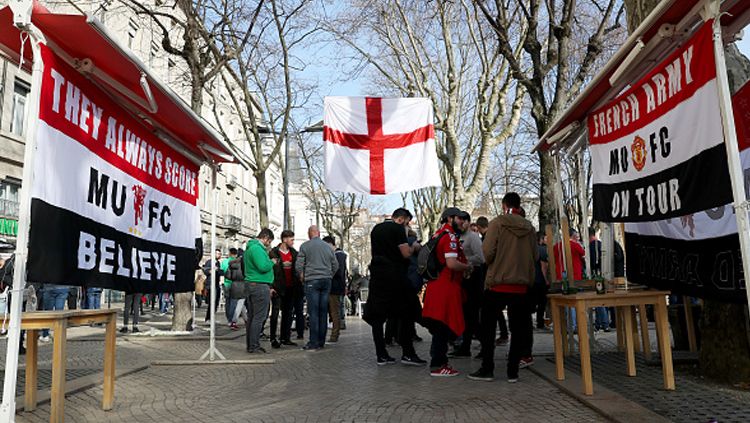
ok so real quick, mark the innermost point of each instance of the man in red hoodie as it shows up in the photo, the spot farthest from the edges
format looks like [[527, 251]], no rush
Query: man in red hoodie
[[510, 251]]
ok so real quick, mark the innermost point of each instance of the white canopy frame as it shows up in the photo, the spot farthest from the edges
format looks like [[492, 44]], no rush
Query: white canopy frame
[[633, 67]]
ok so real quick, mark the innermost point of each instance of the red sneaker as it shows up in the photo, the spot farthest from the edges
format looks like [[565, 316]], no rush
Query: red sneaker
[[445, 371], [234, 326], [525, 362]]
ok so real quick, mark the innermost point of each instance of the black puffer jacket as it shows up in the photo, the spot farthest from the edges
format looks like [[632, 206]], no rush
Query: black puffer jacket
[[279, 277]]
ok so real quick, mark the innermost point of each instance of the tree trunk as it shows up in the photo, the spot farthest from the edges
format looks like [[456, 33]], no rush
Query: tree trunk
[[547, 204], [260, 178], [725, 345], [182, 319]]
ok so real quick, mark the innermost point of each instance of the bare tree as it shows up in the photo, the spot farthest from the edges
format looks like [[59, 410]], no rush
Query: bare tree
[[260, 81], [562, 42], [187, 32], [441, 50], [337, 212]]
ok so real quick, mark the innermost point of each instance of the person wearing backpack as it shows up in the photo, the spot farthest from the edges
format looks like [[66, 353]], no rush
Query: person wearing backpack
[[510, 251], [390, 292], [443, 310]]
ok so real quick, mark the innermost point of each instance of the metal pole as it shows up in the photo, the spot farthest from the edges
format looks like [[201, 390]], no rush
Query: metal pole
[[736, 173], [8, 407], [212, 338], [583, 198], [287, 223]]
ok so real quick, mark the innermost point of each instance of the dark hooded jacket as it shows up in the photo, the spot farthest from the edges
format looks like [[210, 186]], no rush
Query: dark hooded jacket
[[510, 249], [279, 277]]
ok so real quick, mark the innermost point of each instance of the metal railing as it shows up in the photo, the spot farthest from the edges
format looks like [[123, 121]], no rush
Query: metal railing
[[233, 222], [8, 208]]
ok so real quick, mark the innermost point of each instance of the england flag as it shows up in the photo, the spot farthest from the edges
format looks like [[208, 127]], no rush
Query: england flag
[[379, 145]]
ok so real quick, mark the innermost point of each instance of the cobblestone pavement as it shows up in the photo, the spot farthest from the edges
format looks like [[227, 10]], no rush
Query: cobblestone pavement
[[694, 400], [340, 383]]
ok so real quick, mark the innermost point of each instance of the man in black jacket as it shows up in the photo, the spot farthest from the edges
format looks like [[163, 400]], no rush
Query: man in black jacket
[[286, 288], [338, 286]]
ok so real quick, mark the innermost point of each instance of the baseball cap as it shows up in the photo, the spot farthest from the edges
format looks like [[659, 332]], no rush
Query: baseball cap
[[465, 215], [450, 211]]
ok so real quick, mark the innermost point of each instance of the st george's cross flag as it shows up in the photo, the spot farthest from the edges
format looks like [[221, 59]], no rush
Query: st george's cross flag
[[379, 145]]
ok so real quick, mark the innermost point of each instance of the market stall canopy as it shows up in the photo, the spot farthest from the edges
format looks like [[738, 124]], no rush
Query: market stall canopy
[[671, 22], [87, 46]]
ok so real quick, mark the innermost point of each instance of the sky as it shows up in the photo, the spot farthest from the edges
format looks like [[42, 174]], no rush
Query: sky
[[331, 83]]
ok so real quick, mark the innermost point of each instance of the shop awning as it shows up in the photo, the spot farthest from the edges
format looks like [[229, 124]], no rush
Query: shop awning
[[670, 23], [86, 43]]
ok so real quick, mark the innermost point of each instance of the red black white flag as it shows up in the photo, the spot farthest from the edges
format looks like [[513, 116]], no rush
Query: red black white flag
[[657, 150], [697, 254], [112, 206]]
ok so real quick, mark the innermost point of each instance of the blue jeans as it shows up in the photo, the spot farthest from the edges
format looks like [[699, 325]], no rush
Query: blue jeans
[[93, 298], [316, 292], [54, 299], [230, 305], [602, 317], [163, 302]]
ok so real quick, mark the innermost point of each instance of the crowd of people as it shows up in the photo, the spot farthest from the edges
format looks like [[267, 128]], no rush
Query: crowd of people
[[266, 281], [483, 268]]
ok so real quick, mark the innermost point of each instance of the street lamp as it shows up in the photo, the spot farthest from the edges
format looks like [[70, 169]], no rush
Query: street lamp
[[318, 127]]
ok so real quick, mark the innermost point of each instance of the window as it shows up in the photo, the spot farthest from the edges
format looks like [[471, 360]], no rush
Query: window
[[170, 70], [153, 53], [3, 70], [132, 32], [9, 199], [20, 96]]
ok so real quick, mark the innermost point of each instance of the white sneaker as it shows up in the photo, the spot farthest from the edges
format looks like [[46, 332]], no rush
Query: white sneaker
[[45, 338]]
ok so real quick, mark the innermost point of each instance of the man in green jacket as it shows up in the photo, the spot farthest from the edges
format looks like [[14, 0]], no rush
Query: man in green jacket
[[258, 278]]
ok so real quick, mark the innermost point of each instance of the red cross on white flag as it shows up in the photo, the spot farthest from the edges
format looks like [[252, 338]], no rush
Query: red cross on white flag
[[379, 145]]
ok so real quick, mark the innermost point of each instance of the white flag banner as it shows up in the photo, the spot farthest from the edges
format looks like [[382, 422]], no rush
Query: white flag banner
[[112, 206], [379, 145], [657, 150]]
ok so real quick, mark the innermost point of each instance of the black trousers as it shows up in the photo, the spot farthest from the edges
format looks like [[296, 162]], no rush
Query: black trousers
[[473, 289], [298, 304], [275, 310], [405, 332], [441, 337], [540, 303], [391, 330], [519, 317]]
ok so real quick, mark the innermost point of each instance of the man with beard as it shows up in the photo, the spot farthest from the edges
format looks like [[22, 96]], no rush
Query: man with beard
[[473, 284], [443, 310], [390, 293]]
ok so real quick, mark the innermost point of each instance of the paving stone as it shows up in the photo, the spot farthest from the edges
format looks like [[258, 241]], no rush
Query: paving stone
[[342, 383]]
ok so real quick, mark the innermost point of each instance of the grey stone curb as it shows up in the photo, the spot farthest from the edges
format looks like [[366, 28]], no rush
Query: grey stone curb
[[215, 362]]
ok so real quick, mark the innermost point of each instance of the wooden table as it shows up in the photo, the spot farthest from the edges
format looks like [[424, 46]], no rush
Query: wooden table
[[59, 322], [624, 301]]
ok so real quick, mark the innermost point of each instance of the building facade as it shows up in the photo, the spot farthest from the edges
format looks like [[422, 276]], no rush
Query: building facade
[[237, 211]]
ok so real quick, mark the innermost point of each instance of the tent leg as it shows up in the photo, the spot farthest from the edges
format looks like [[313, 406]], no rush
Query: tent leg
[[8, 407], [212, 351], [736, 173]]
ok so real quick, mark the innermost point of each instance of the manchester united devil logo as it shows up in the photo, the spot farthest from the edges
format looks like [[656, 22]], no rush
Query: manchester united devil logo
[[139, 194], [638, 150]]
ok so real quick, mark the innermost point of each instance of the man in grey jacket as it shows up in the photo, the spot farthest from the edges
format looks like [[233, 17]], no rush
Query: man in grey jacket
[[316, 265]]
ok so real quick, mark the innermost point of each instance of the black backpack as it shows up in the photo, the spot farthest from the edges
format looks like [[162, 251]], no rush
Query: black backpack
[[428, 266]]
